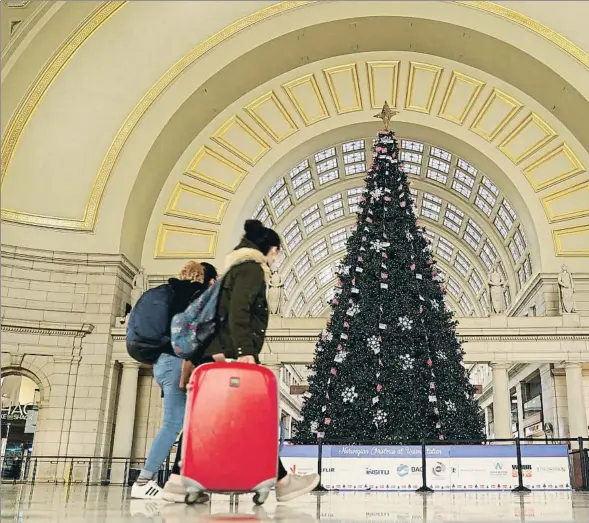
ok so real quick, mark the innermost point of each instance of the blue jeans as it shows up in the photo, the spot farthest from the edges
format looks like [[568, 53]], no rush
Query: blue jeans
[[167, 371]]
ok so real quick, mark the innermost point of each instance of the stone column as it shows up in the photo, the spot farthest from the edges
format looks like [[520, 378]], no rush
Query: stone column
[[576, 400], [501, 401], [123, 440]]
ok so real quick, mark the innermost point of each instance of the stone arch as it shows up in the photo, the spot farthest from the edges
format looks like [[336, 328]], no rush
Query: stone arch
[[31, 371]]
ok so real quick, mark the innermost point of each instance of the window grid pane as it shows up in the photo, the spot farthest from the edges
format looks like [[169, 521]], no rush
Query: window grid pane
[[289, 283], [408, 156], [439, 165], [327, 165], [280, 260], [501, 227], [465, 305], [328, 177], [453, 287], [319, 250], [338, 239], [355, 157], [488, 254], [322, 155], [437, 176], [355, 145], [302, 265], [453, 218], [293, 235], [431, 206], [412, 146], [505, 216], [444, 249], [276, 187], [519, 241], [334, 207], [411, 168], [317, 308], [473, 234], [440, 153], [311, 219], [299, 169], [514, 252], [490, 185], [310, 290], [325, 275], [355, 169], [298, 305], [465, 166], [475, 281], [329, 295], [461, 263]]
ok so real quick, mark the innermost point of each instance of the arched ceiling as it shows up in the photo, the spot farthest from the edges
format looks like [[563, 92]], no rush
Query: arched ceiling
[[470, 223], [155, 141]]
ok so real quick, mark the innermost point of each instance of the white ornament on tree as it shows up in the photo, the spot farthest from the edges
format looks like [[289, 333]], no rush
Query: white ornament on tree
[[441, 355], [353, 310], [435, 304], [407, 362], [450, 406], [378, 245], [340, 357], [405, 323], [380, 417], [314, 426], [374, 344], [349, 395], [377, 193]]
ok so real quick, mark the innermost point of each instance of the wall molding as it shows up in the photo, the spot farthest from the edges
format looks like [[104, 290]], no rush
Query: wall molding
[[47, 328]]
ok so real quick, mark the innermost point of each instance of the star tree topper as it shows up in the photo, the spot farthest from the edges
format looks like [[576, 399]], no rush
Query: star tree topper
[[385, 115]]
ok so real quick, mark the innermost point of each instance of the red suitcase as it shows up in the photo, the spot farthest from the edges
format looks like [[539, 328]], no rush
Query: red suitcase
[[230, 440]]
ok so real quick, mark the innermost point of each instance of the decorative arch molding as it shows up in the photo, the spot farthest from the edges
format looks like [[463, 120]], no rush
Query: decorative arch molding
[[342, 14], [31, 371]]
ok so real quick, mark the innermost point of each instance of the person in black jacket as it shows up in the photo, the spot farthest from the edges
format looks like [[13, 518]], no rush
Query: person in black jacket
[[194, 278], [243, 302]]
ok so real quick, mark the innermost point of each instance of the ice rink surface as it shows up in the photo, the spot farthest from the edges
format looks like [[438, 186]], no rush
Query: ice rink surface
[[43, 503]]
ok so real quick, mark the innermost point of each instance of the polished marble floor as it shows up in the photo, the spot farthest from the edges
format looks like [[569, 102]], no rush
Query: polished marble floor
[[43, 503]]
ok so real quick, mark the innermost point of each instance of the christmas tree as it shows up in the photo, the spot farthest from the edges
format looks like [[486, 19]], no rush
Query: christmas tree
[[388, 368]]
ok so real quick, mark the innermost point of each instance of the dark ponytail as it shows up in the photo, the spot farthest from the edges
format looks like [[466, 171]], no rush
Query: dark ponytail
[[262, 237]]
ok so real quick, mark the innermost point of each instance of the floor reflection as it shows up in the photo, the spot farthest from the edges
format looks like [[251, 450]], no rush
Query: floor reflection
[[56, 503]]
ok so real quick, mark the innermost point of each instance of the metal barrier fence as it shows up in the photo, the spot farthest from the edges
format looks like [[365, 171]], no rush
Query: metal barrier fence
[[123, 471], [76, 470], [578, 456]]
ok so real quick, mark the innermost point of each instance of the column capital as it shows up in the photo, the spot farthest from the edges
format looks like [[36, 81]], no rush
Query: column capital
[[572, 364], [499, 365], [130, 364]]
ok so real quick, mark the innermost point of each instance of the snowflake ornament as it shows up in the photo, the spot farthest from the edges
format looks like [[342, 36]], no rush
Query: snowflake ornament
[[374, 344], [405, 323], [450, 406], [441, 355], [349, 395], [407, 362], [377, 193], [380, 417], [379, 246], [340, 357], [345, 270], [409, 236], [353, 310], [314, 426], [435, 304]]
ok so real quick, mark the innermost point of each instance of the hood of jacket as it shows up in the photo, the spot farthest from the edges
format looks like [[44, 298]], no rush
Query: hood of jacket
[[184, 290], [245, 252]]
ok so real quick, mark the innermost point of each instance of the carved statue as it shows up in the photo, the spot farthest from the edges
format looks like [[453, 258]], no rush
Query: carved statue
[[566, 287], [496, 285], [275, 293], [139, 286]]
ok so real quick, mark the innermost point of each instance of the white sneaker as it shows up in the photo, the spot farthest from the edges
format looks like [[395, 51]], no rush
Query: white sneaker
[[295, 486], [151, 490], [175, 491]]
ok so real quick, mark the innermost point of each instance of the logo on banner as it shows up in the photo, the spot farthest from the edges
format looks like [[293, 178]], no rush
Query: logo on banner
[[402, 470], [439, 469], [551, 469], [498, 470], [526, 471], [377, 472]]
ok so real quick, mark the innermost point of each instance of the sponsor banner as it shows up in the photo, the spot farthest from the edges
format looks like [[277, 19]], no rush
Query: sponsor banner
[[481, 467]]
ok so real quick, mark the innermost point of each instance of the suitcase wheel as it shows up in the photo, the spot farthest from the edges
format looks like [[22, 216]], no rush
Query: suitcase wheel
[[260, 497], [192, 497]]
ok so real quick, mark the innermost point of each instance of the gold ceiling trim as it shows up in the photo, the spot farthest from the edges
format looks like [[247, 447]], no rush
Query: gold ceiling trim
[[540, 29], [87, 223], [47, 76]]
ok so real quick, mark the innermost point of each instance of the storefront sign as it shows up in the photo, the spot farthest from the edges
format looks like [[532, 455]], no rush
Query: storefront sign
[[18, 412], [477, 467]]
